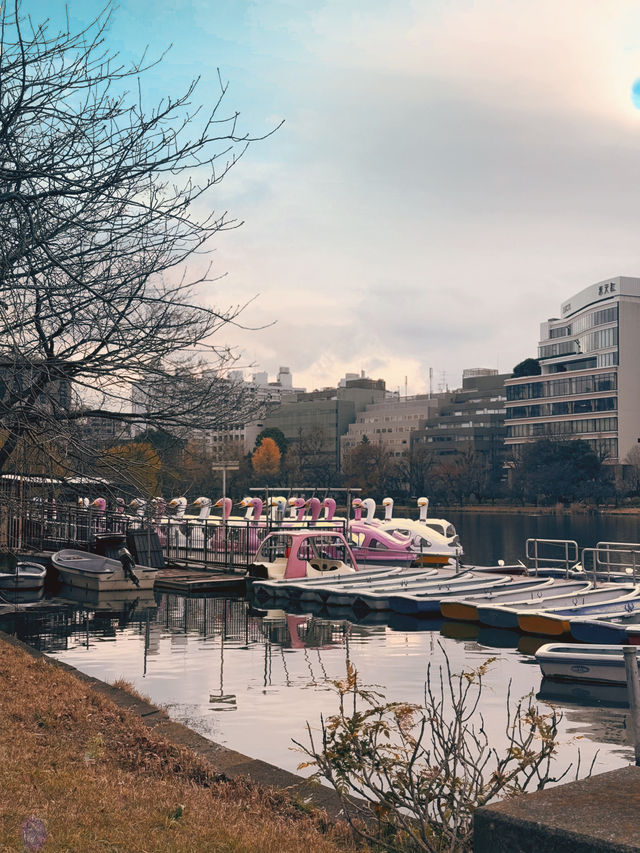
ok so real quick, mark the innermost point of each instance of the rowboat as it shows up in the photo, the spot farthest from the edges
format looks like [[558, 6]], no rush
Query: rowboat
[[608, 629], [286, 588], [583, 662], [346, 595], [23, 576], [377, 597], [466, 609], [506, 616], [428, 601], [95, 572], [553, 622]]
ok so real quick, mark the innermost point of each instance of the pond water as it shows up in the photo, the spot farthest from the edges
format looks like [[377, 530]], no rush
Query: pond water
[[253, 679]]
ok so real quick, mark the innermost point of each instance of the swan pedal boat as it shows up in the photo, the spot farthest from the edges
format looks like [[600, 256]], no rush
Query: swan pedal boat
[[555, 621], [576, 662], [294, 554], [95, 572]]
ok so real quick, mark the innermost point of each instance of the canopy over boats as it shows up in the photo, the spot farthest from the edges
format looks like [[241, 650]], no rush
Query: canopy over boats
[[303, 553]]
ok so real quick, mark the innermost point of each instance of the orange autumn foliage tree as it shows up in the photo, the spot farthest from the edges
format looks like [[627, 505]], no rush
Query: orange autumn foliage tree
[[266, 458], [137, 464]]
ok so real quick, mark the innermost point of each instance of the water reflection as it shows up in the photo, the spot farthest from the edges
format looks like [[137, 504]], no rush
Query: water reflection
[[253, 678]]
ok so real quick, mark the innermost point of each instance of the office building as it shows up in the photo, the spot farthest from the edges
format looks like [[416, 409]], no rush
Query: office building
[[589, 384]]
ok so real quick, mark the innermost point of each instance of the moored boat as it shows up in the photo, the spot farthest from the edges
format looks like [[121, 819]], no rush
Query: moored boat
[[95, 572], [506, 616], [607, 629], [427, 601], [305, 553], [555, 621], [604, 663], [20, 574], [466, 608]]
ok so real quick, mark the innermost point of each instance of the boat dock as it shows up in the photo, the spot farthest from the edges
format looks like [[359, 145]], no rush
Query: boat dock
[[193, 580]]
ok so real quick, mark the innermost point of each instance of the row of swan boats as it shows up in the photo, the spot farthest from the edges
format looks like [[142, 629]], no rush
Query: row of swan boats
[[389, 540]]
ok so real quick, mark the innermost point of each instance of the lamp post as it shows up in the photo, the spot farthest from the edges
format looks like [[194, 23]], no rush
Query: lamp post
[[232, 465]]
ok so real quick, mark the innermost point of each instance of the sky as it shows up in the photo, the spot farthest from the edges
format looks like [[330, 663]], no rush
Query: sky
[[448, 171]]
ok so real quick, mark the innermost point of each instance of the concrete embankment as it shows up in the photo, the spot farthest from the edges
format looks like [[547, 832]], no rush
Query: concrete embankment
[[596, 815]]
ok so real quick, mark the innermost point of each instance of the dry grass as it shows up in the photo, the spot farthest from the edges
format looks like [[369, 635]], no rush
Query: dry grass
[[127, 686], [99, 780]]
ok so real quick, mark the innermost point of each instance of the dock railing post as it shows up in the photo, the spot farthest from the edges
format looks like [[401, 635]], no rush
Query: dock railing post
[[633, 690]]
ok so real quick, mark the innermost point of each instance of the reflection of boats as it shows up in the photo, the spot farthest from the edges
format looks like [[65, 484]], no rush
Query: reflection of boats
[[115, 601], [459, 630], [498, 638], [21, 596], [528, 644], [93, 571], [585, 695], [583, 662], [402, 622], [300, 632], [18, 574]]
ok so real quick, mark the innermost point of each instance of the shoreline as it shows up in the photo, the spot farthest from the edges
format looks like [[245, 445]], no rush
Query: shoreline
[[66, 731], [535, 510]]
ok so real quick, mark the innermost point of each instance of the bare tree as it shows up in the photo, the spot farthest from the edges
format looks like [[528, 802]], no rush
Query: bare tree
[[100, 215]]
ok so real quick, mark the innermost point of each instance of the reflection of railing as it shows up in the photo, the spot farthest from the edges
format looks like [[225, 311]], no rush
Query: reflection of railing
[[552, 553]]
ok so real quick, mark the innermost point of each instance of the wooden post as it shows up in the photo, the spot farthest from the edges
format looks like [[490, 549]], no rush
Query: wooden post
[[633, 689]]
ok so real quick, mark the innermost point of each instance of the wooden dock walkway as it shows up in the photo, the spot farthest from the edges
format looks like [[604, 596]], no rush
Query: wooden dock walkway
[[192, 580]]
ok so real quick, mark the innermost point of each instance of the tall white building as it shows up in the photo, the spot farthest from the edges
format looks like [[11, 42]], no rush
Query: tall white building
[[589, 387]]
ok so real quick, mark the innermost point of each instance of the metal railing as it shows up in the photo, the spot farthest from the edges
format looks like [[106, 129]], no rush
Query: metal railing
[[560, 554], [609, 561], [209, 543]]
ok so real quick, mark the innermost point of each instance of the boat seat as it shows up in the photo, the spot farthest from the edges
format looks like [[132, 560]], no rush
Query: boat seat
[[324, 567]]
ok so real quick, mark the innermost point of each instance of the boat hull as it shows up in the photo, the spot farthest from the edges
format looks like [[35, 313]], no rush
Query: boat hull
[[100, 574], [28, 576], [603, 663]]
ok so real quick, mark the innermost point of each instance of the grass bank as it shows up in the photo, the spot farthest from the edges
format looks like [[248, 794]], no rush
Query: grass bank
[[79, 773]]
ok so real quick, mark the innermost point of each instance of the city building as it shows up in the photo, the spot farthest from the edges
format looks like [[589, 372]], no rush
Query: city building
[[390, 423], [589, 384], [322, 417], [469, 420]]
